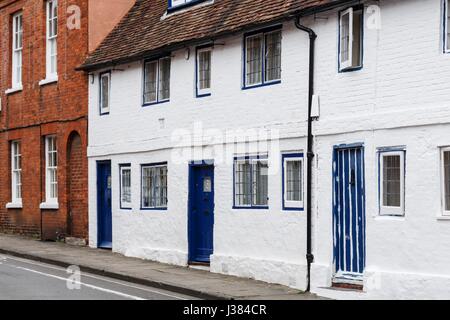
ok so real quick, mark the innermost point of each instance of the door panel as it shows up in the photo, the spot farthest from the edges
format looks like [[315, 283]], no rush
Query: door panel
[[104, 205], [201, 213], [349, 212]]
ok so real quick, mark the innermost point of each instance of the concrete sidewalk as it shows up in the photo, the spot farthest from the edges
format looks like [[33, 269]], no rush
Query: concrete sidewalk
[[198, 283]]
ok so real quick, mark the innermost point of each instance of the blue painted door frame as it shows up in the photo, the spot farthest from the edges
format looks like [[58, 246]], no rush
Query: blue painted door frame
[[104, 211], [349, 222], [201, 212]]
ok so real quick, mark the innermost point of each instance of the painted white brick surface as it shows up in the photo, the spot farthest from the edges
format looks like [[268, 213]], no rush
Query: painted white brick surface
[[400, 97]]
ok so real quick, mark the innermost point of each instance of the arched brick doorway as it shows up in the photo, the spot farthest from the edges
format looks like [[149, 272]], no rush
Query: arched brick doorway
[[77, 224]]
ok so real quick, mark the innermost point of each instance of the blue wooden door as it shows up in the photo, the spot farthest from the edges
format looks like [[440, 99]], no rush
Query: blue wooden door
[[349, 213], [104, 211], [201, 213]]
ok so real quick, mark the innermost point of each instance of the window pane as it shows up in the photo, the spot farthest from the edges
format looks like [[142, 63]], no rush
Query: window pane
[[242, 188], [273, 56], [391, 181], [154, 187], [204, 69], [345, 37], [151, 73], [260, 183], [254, 60], [447, 179], [357, 33], [164, 79], [105, 91], [294, 180], [126, 185]]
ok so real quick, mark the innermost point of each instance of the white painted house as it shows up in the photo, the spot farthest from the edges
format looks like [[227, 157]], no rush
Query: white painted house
[[198, 142]]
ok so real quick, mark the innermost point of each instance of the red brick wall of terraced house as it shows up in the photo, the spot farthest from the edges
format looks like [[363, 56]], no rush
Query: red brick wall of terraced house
[[29, 115]]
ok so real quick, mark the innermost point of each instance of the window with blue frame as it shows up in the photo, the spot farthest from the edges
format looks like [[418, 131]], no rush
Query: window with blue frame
[[446, 23], [125, 186], [203, 67], [154, 186], [251, 182], [179, 4], [262, 57], [156, 81], [351, 39], [293, 181], [105, 89]]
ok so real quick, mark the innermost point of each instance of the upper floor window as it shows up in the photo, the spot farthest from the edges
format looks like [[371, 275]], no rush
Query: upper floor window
[[262, 53], [178, 4], [17, 46], [251, 182], [157, 81], [350, 39], [392, 182], [52, 34], [105, 88], [51, 170], [446, 180], [16, 172], [446, 23], [204, 71]]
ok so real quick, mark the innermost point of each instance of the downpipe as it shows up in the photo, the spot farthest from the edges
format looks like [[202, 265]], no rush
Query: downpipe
[[309, 152]]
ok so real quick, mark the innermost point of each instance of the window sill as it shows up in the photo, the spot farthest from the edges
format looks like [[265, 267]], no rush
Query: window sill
[[443, 218], [154, 209], [390, 218], [203, 94], [14, 205], [293, 209], [14, 90], [49, 206], [350, 69], [248, 87], [48, 80], [154, 103], [250, 208]]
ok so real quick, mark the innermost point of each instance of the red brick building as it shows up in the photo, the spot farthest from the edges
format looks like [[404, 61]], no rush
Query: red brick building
[[43, 112]]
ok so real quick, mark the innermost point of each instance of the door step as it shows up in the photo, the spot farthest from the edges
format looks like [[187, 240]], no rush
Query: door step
[[347, 286], [199, 266]]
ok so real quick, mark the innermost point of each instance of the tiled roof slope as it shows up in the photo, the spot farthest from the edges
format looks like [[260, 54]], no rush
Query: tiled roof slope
[[145, 30]]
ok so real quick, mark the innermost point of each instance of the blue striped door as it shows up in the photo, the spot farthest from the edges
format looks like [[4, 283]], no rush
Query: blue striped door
[[349, 212]]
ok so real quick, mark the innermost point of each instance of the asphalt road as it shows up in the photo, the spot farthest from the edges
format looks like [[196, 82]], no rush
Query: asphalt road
[[22, 279]]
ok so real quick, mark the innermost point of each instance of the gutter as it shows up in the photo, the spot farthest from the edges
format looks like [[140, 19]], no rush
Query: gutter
[[309, 152]]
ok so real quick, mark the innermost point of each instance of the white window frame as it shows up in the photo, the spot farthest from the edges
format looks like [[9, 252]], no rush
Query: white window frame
[[179, 3], [157, 82], [17, 51], [16, 172], [51, 74], [345, 64], [124, 204], [205, 91], [293, 204], [252, 161], [145, 166], [389, 210], [48, 184], [445, 4], [104, 110], [445, 212]]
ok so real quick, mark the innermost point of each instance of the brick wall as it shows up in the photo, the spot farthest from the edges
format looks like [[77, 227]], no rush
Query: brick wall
[[58, 108]]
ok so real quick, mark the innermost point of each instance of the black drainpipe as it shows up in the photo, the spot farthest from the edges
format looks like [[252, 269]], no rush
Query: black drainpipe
[[309, 152]]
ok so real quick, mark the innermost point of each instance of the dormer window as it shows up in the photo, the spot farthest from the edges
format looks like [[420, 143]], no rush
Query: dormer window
[[179, 4]]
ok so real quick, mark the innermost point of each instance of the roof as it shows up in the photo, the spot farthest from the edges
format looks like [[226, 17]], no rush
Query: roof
[[145, 30]]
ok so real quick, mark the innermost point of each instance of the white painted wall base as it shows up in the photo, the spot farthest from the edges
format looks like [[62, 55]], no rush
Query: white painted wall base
[[282, 272]]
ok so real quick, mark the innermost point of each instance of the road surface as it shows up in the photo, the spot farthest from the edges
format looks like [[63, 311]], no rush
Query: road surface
[[22, 279]]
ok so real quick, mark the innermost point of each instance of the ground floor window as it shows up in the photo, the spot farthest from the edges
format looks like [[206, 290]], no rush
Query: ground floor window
[[293, 181], [51, 170], [125, 186], [446, 180], [16, 172], [392, 181], [154, 186], [251, 182]]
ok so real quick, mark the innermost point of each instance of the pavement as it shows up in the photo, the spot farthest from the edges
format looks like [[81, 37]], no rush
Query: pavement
[[182, 280], [23, 279]]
